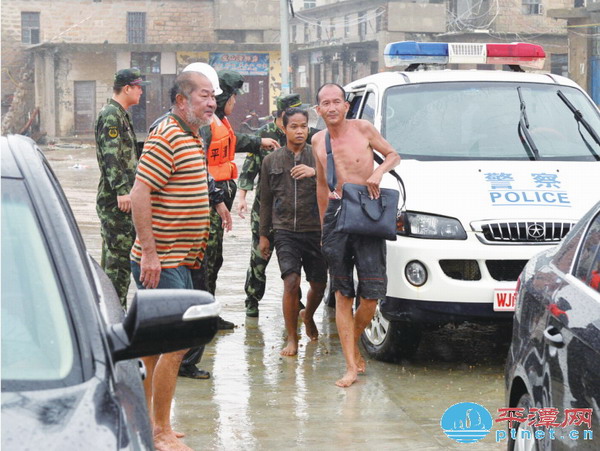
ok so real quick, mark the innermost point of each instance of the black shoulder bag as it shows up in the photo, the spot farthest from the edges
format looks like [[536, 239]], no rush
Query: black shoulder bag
[[359, 213]]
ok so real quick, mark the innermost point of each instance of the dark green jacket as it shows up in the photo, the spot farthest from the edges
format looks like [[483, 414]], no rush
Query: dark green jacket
[[116, 153], [287, 203]]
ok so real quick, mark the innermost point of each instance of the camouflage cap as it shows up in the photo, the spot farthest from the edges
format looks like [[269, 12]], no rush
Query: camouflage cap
[[231, 82], [289, 101], [131, 76]]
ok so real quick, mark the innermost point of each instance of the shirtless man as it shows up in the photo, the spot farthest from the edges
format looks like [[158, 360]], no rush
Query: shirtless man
[[352, 143]]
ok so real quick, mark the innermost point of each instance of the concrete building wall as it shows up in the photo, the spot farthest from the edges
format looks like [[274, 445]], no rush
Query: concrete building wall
[[579, 55], [416, 17], [257, 14], [510, 18], [75, 66]]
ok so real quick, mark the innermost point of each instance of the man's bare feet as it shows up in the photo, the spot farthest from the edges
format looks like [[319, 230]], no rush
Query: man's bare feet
[[361, 365], [291, 349], [167, 441], [177, 434], [311, 328], [348, 379]]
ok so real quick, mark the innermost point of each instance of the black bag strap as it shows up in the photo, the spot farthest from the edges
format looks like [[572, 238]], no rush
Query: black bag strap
[[393, 172], [332, 178]]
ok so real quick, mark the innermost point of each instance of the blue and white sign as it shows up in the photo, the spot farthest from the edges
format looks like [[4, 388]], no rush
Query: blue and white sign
[[537, 189], [244, 63]]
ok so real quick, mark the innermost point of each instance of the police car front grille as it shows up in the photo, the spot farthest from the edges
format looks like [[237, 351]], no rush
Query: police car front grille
[[505, 270], [523, 231]]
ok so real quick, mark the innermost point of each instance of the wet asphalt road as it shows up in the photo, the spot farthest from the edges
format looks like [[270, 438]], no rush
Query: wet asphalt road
[[257, 399]]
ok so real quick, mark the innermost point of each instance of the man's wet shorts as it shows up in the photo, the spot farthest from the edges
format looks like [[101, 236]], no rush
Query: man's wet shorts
[[297, 250], [345, 251]]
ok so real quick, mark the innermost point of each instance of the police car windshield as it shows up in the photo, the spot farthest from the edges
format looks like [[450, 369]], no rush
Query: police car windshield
[[478, 121]]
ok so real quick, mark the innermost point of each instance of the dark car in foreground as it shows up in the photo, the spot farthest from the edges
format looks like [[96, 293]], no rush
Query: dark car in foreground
[[70, 374], [553, 366]]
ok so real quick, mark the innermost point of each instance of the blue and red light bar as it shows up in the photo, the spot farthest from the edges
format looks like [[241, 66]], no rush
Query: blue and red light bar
[[411, 52]]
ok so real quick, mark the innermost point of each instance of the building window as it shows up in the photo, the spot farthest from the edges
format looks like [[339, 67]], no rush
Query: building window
[[30, 28], [310, 4], [331, 28], [362, 25], [529, 7], [136, 28], [319, 29], [294, 33], [559, 64], [346, 26], [306, 34], [146, 62], [379, 23]]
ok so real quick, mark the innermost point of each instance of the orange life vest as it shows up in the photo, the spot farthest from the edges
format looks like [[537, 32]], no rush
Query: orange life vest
[[221, 152]]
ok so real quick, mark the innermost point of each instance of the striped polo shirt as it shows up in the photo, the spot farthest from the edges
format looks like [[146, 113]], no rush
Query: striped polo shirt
[[173, 165]]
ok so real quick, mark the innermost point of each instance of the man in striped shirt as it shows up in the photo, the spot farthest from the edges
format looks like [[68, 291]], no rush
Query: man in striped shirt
[[170, 206]]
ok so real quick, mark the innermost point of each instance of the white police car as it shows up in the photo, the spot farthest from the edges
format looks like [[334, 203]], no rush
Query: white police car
[[497, 165]]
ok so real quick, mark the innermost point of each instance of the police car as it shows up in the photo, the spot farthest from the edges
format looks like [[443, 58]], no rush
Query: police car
[[498, 166]]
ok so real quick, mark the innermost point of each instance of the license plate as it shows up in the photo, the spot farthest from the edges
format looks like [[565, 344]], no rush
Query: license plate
[[505, 299]]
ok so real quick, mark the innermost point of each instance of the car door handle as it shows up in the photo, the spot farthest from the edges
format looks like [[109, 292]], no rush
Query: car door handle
[[553, 337]]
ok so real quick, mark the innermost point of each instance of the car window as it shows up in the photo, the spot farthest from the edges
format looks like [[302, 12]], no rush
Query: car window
[[354, 105], [479, 120], [587, 267], [37, 338], [368, 111]]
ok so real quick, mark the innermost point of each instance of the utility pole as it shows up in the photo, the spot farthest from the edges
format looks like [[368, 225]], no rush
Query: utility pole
[[285, 47]]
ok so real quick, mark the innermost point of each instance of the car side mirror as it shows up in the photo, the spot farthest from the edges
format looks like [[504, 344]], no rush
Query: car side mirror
[[165, 320]]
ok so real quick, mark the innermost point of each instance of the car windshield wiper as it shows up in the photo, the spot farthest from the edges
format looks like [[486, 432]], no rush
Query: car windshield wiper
[[581, 121], [523, 129]]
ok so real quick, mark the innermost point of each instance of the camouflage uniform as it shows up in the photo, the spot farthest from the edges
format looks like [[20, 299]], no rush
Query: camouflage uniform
[[256, 275], [117, 159]]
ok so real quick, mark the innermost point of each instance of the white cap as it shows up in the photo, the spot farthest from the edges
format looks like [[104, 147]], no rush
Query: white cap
[[208, 71]]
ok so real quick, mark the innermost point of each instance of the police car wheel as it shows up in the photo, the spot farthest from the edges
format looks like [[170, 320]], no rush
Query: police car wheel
[[521, 442], [390, 341]]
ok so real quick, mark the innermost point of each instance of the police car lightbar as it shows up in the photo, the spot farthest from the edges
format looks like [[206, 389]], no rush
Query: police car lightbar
[[411, 52]]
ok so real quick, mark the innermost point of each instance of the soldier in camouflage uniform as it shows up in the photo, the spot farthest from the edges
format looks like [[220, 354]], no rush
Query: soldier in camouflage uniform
[[222, 143], [117, 158], [256, 274]]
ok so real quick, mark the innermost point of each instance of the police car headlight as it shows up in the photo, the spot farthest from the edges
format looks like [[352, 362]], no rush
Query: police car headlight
[[434, 227]]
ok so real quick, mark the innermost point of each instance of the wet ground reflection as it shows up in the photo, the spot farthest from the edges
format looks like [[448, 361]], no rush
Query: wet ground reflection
[[257, 399]]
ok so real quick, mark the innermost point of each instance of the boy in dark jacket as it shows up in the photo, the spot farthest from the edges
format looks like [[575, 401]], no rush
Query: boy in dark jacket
[[288, 205]]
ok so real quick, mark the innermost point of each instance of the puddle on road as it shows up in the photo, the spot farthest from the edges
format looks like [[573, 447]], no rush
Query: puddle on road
[[257, 399]]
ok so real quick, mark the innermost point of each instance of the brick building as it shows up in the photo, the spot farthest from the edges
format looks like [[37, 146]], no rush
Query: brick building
[[61, 55]]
